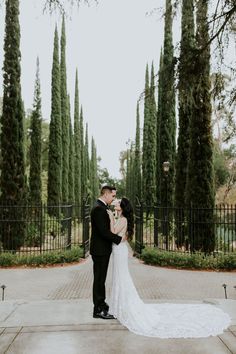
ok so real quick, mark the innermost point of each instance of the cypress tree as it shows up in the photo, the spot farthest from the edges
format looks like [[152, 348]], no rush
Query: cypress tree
[[158, 117], [82, 173], [137, 158], [71, 174], [150, 168], [145, 136], [93, 172], [185, 99], [77, 143], [185, 87], [200, 185], [13, 182], [35, 185], [128, 173], [55, 145], [167, 118], [86, 163], [130, 177], [64, 117]]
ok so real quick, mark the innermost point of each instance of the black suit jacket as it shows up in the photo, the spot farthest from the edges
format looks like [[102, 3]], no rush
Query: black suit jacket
[[101, 237]]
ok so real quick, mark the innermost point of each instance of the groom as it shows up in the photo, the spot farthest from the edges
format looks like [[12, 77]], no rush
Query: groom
[[100, 249]]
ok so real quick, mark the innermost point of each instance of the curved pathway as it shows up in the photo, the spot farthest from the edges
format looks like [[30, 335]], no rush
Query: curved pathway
[[75, 282], [49, 310]]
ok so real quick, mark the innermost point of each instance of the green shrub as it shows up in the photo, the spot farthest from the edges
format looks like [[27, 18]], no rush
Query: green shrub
[[67, 256], [7, 259], [186, 260], [37, 229], [32, 238]]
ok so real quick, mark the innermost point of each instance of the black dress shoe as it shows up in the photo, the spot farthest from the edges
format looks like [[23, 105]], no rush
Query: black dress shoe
[[104, 315]]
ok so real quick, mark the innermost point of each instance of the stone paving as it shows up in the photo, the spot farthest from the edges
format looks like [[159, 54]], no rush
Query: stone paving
[[49, 310], [75, 282]]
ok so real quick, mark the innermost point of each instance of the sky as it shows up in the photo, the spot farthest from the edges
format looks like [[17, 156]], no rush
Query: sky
[[110, 44]]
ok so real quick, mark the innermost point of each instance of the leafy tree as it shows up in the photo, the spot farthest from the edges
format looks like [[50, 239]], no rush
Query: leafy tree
[[105, 178]]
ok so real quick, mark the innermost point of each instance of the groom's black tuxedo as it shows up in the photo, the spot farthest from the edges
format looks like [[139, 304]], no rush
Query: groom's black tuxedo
[[101, 238], [100, 249]]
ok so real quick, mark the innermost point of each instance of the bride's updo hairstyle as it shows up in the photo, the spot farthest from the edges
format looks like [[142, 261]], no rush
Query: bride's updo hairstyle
[[128, 212]]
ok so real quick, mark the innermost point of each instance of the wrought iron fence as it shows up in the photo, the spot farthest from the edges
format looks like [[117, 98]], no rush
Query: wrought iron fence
[[34, 229], [186, 230]]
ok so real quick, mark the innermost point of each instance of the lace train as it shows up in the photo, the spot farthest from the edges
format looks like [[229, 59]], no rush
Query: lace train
[[159, 320]]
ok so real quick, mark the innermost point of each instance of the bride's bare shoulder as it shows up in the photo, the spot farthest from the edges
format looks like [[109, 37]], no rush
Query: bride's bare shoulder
[[124, 220]]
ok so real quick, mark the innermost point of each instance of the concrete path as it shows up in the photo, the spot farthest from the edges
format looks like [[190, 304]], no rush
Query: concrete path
[[49, 310], [67, 327]]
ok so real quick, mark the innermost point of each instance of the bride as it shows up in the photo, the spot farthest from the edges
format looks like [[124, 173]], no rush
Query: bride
[[154, 320]]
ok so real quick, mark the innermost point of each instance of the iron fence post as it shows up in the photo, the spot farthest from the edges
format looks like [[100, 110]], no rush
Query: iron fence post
[[41, 228], [69, 211], [155, 226]]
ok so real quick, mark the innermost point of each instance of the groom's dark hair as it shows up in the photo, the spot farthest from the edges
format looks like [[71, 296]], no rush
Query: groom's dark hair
[[107, 188]]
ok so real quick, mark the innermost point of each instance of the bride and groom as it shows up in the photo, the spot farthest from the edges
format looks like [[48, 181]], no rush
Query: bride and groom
[[163, 320]]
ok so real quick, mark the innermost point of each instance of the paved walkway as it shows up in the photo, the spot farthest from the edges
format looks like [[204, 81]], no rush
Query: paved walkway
[[49, 310]]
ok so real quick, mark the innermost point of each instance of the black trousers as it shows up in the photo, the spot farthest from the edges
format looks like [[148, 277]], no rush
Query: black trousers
[[100, 266]]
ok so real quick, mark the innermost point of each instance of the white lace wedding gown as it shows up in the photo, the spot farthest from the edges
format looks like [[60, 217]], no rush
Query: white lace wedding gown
[[157, 320]]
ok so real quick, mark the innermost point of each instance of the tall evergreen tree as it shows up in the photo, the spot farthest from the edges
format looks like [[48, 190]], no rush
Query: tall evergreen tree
[[55, 144], [64, 116], [158, 117], [128, 174], [82, 173], [35, 185], [77, 142], [200, 185], [150, 168], [86, 163], [94, 172], [130, 177], [145, 134], [13, 182], [137, 158], [71, 174], [167, 118], [185, 87]]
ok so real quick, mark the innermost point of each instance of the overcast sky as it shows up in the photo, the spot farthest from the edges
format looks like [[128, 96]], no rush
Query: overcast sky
[[110, 43]]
